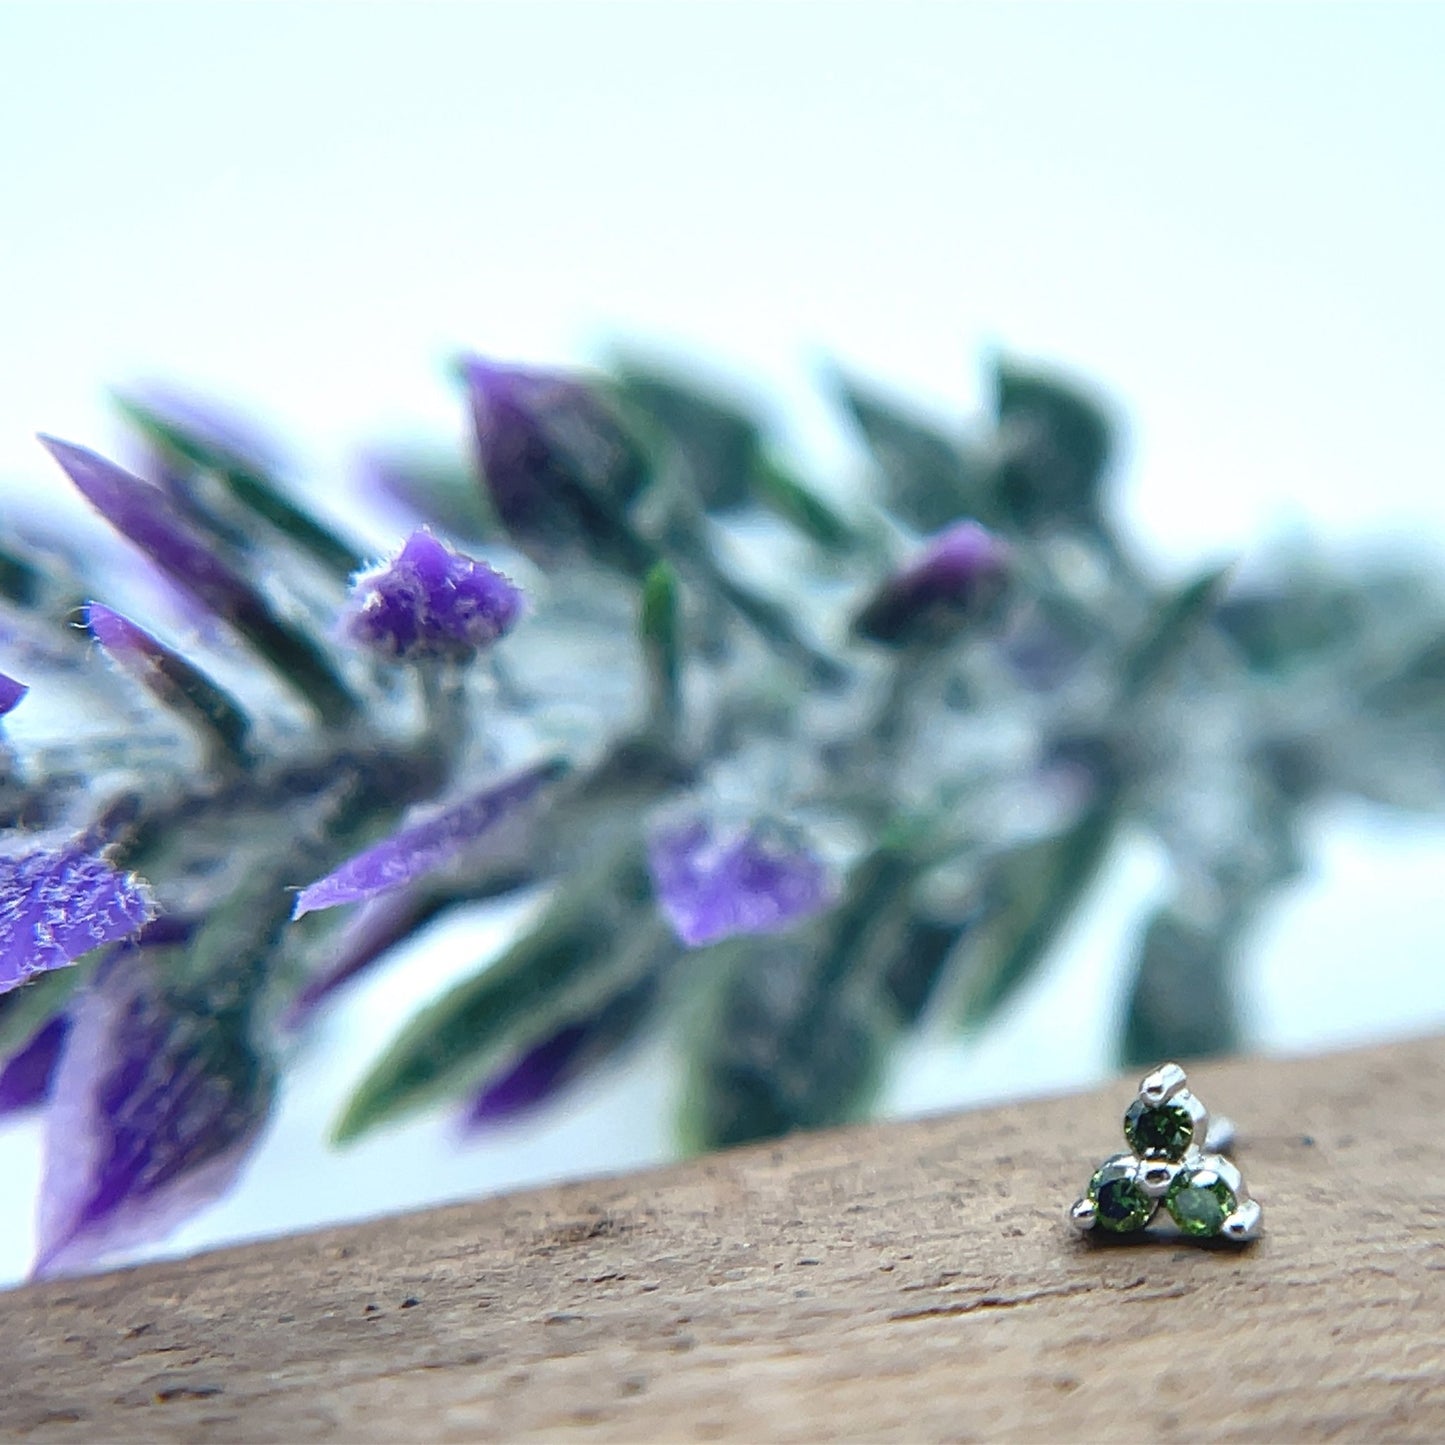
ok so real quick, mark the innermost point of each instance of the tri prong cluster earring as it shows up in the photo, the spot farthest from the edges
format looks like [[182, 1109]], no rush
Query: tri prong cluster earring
[[1175, 1158]]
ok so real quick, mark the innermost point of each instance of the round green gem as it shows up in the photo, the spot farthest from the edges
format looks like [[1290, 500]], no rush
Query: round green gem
[[1200, 1202], [1159, 1131], [1120, 1203]]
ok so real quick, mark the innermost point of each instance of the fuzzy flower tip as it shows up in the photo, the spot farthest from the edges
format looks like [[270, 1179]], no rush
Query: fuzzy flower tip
[[57, 904], [711, 886], [431, 601], [957, 576], [10, 693]]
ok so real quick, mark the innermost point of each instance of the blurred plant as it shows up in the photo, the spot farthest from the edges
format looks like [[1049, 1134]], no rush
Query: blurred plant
[[786, 776]]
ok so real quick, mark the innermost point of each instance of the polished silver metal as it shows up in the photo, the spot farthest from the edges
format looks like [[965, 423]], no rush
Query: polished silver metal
[[1162, 1085], [1245, 1223], [1205, 1158], [1156, 1175], [1221, 1136]]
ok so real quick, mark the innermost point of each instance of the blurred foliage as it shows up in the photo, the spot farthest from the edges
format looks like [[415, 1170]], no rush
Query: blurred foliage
[[689, 649]]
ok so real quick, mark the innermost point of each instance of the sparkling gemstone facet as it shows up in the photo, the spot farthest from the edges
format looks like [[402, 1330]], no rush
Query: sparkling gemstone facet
[[1120, 1201], [1159, 1130], [1200, 1202]]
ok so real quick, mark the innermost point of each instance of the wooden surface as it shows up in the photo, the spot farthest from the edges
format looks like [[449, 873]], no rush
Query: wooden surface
[[905, 1281]]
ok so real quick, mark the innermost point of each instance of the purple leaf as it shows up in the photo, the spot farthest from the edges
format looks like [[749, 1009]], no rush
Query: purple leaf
[[547, 1068], [529, 1081], [155, 1106], [957, 577], [143, 514], [57, 904], [170, 678], [10, 693], [431, 601], [452, 835], [713, 886], [26, 1076], [148, 517]]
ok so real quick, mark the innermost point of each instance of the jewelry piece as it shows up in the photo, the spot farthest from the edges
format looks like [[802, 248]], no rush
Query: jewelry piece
[[1178, 1158]]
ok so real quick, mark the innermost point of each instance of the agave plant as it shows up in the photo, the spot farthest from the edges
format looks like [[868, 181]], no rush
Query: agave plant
[[789, 775]]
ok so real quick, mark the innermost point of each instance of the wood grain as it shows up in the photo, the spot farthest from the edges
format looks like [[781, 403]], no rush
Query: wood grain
[[901, 1281]]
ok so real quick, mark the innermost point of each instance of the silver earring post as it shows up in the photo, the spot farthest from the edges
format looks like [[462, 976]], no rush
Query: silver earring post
[[1177, 1159]]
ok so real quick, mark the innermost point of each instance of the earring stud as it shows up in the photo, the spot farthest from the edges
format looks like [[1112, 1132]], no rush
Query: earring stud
[[1176, 1157]]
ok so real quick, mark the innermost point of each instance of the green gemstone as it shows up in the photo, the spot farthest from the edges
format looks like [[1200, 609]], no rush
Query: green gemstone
[[1159, 1131], [1200, 1202], [1120, 1203]]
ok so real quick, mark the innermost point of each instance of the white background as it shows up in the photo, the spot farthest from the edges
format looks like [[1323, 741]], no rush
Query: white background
[[1231, 217]]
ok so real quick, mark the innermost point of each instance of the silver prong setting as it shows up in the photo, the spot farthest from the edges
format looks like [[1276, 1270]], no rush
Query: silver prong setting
[[1222, 1135], [1162, 1085], [1228, 1171], [1245, 1223], [1083, 1215], [1155, 1177]]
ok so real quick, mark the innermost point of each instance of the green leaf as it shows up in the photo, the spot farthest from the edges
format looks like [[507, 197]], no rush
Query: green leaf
[[1180, 1001], [660, 625], [775, 624], [20, 582], [790, 498], [718, 444], [779, 1054], [247, 483], [799, 1030], [1174, 626], [1028, 897], [1032, 892], [592, 940], [928, 479], [922, 961], [25, 1011], [1055, 440], [176, 683]]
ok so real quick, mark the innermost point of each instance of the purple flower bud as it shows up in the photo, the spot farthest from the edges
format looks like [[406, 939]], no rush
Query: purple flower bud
[[557, 462], [711, 887], [26, 1076], [57, 904], [958, 576], [10, 693], [169, 677], [147, 517], [155, 1106], [547, 1068], [431, 601], [455, 834]]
